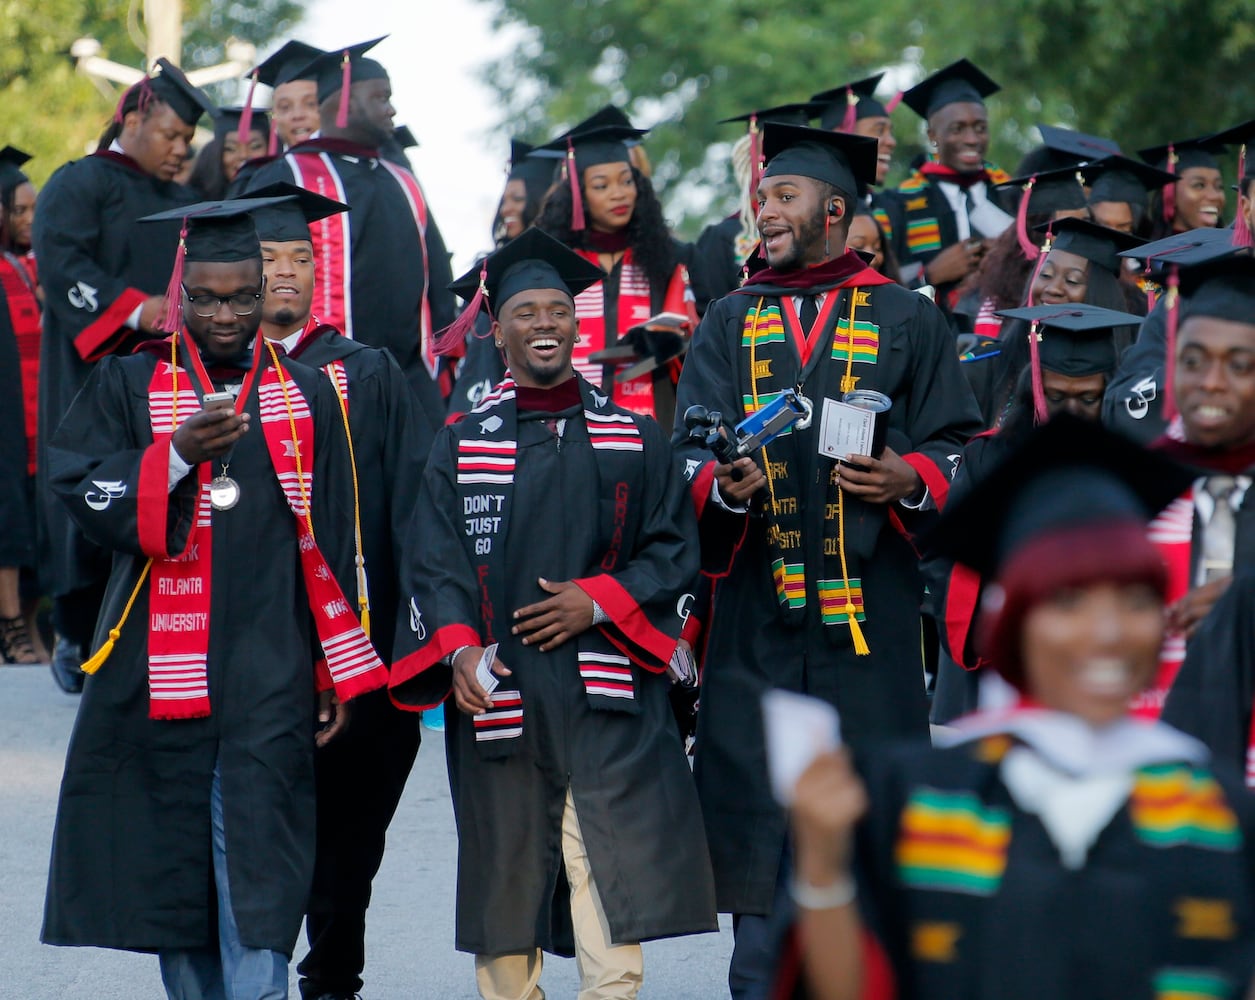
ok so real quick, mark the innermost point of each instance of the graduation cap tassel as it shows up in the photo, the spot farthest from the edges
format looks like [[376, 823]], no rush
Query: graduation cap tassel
[[851, 110], [1034, 360], [172, 319], [1042, 254], [246, 116], [1170, 190], [573, 178], [452, 338], [893, 102], [1172, 305], [96, 661], [346, 86], [1241, 228], [756, 161], [1027, 246], [272, 147]]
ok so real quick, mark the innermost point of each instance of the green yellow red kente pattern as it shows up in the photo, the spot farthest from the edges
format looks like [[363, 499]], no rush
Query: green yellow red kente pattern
[[1176, 805], [952, 842]]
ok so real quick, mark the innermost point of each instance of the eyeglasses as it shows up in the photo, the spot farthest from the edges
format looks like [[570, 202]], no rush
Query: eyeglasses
[[241, 303]]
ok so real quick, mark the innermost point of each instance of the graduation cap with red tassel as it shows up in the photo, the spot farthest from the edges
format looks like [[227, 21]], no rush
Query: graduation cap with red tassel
[[167, 84], [602, 138], [842, 107], [336, 71], [533, 260], [286, 65], [1240, 136], [1178, 156]]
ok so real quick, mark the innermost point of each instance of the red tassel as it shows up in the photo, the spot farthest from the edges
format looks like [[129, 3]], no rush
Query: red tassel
[[1241, 228], [893, 102], [573, 176], [1027, 246], [1042, 254], [272, 148], [451, 341], [346, 86], [851, 111], [145, 98], [756, 161], [246, 116], [1170, 353], [172, 319], [1170, 190], [1034, 360]]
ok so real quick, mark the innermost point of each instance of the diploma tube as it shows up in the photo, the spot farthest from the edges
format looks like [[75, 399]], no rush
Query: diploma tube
[[877, 403]]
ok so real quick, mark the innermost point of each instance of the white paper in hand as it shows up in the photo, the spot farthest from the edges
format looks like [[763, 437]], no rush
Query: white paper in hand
[[483, 671], [845, 430], [799, 728]]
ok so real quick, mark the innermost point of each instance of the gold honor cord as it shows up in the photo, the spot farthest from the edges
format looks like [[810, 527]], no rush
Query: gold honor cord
[[363, 585]]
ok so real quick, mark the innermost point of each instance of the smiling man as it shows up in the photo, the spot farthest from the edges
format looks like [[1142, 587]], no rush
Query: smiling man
[[822, 588], [945, 219], [229, 549], [102, 278], [554, 530], [381, 270], [360, 777]]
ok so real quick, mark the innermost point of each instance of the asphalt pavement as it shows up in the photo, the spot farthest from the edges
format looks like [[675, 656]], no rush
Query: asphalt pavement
[[409, 936]]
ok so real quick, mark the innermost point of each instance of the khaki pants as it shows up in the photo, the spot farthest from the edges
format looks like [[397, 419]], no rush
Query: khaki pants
[[607, 971]]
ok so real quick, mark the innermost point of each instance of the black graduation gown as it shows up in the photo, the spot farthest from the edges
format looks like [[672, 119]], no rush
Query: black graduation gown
[[17, 534], [749, 648], [1137, 917], [387, 266], [1212, 695], [96, 265], [627, 772], [1133, 401], [716, 271], [131, 859]]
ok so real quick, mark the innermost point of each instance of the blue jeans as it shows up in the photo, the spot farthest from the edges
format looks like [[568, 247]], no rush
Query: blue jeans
[[233, 972]]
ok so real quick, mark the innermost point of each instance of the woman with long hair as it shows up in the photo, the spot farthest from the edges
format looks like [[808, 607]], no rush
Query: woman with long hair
[[1082, 267], [1197, 199], [606, 210], [21, 331], [1057, 847], [219, 161]]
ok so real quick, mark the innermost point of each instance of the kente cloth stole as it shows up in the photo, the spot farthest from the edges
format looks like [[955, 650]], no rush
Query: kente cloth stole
[[1171, 533], [179, 590], [634, 307], [923, 231], [769, 361], [333, 246], [487, 446]]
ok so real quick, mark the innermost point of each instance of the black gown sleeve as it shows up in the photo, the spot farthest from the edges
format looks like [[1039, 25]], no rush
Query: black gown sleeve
[[1133, 401]]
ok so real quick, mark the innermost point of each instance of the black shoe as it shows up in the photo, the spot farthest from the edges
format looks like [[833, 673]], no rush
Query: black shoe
[[67, 662]]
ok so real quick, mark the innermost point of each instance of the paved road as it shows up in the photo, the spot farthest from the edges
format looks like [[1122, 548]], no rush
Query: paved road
[[410, 925]]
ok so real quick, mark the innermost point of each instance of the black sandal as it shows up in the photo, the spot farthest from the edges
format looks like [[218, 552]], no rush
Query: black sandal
[[15, 642]]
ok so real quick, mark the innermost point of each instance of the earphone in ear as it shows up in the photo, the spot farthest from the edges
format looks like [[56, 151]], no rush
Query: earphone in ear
[[835, 209]]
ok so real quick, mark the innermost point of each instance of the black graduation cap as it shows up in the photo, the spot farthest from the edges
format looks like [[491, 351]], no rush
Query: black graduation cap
[[11, 161], [336, 69], [288, 219], [1077, 145], [1223, 289], [1068, 473], [797, 113], [404, 137], [960, 81], [533, 260], [169, 85], [213, 231], [287, 64], [594, 142], [843, 106], [842, 159], [1053, 190], [1076, 339], [1119, 178], [1097, 244], [1201, 151], [1190, 249], [228, 120], [531, 169]]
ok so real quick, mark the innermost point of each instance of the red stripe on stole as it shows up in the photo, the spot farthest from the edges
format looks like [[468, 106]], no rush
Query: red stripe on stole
[[331, 237]]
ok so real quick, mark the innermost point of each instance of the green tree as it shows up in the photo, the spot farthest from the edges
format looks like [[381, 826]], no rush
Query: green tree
[[55, 112], [1141, 72]]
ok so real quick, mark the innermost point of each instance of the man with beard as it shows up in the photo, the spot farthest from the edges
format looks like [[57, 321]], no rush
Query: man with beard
[[360, 777], [946, 220], [195, 462], [549, 557], [381, 269], [102, 277], [819, 588]]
